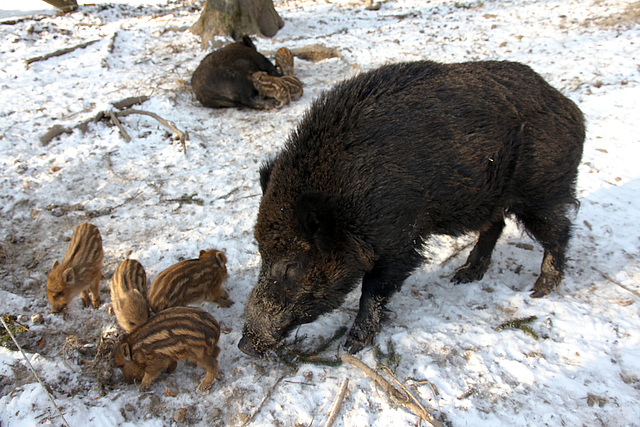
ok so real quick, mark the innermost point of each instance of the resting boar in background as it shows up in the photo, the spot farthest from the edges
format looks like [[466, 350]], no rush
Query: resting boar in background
[[388, 158], [222, 78]]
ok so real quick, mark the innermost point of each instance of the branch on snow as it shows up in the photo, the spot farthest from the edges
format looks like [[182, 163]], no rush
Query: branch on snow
[[59, 52], [402, 398], [123, 109]]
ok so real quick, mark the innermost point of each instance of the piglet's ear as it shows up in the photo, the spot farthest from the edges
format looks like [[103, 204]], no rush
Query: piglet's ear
[[317, 216], [126, 352], [222, 260], [69, 277]]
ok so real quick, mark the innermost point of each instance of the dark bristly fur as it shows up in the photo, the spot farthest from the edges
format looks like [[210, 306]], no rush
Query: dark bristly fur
[[392, 156], [167, 337], [222, 78], [191, 281], [80, 271], [129, 295]]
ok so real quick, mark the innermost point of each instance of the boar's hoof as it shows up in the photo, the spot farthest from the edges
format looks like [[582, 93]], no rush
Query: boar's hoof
[[469, 273], [549, 279], [245, 346], [358, 339], [543, 287], [537, 294]]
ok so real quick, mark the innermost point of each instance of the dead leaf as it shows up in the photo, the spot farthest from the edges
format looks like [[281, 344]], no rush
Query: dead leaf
[[180, 415]]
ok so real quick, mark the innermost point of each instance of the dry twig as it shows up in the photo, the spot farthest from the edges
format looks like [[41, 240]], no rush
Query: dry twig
[[456, 253], [267, 397], [112, 42], [337, 403], [123, 109], [617, 283], [53, 402], [394, 394], [110, 166], [405, 389], [129, 102], [182, 136], [59, 52], [115, 121]]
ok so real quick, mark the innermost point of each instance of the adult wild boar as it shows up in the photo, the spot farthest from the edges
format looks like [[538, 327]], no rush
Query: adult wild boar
[[388, 158], [222, 78]]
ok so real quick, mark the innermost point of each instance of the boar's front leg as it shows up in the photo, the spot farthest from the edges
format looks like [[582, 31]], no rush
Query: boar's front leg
[[377, 287]]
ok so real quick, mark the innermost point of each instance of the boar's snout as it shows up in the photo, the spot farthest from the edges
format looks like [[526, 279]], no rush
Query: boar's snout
[[247, 348]]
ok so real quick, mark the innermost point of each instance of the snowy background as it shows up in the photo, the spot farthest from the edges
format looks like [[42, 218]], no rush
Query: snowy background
[[157, 204]]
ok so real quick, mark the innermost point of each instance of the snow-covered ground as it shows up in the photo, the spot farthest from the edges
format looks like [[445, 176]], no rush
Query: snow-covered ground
[[157, 204]]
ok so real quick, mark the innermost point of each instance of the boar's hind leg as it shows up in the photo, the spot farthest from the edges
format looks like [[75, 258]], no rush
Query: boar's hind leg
[[553, 230], [480, 256], [377, 287]]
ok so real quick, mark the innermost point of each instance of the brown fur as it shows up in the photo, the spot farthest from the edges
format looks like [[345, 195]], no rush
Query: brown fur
[[294, 85], [282, 89], [190, 282], [284, 61], [222, 78], [271, 87], [79, 272], [129, 295], [174, 334]]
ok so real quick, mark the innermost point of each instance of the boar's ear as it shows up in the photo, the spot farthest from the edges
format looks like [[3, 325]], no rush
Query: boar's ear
[[68, 276], [265, 174], [55, 264], [246, 40], [316, 214]]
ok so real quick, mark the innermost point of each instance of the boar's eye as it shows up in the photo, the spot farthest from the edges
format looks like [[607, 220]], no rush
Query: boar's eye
[[287, 270], [57, 295]]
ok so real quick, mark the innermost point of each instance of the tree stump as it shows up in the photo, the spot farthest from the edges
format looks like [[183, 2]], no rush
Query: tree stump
[[236, 18], [65, 5]]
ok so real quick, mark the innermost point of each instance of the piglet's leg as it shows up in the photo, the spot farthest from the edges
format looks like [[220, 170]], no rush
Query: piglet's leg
[[211, 365], [151, 371], [95, 292], [172, 367], [86, 300], [223, 300]]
